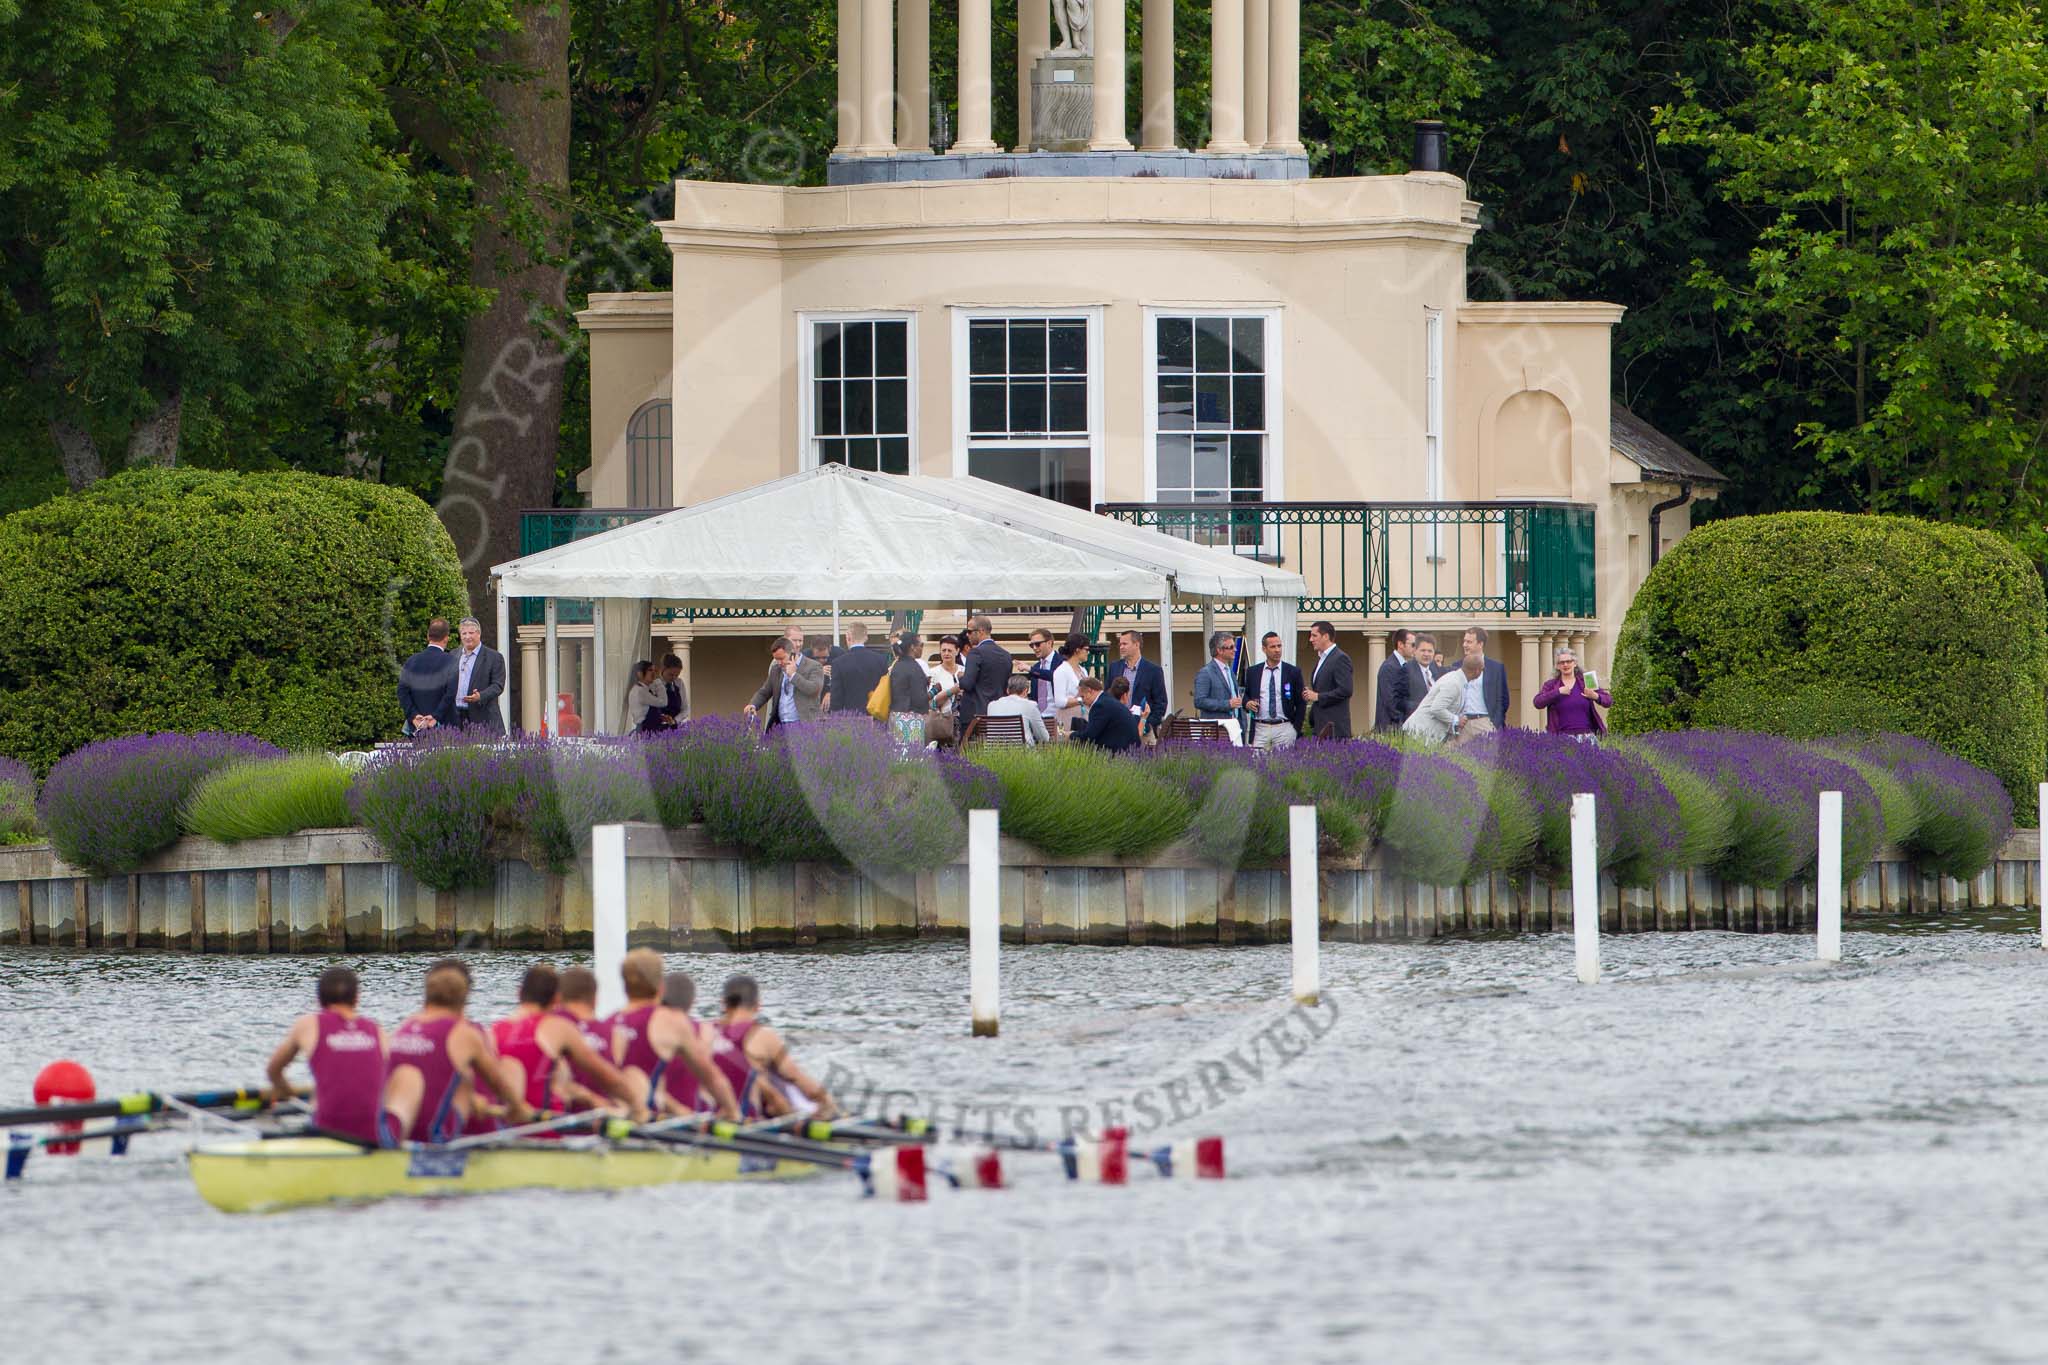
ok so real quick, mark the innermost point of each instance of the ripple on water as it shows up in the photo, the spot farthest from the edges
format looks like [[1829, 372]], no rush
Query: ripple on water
[[1719, 1153]]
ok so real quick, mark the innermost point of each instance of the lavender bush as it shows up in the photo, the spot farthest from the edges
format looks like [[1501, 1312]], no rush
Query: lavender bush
[[1637, 825], [1238, 811], [113, 803], [1773, 788], [1962, 813], [432, 810], [1351, 783], [1438, 824], [1706, 818], [17, 803]]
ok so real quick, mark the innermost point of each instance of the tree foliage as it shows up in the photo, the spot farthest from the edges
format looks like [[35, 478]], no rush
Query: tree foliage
[[192, 198], [1894, 298]]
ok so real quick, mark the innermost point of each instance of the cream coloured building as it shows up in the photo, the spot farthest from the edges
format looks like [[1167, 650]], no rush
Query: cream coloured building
[[1207, 341]]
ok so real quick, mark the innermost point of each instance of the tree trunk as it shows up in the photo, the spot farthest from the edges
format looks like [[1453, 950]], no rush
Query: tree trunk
[[502, 454], [80, 453], [154, 441]]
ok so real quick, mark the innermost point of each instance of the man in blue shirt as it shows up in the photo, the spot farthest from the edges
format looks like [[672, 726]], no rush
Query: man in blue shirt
[[1216, 691]]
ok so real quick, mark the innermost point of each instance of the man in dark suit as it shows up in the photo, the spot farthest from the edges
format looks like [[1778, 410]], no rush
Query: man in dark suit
[[1108, 722], [1491, 705], [855, 671], [1329, 684], [426, 683], [1392, 703], [1146, 680], [984, 675], [1423, 670], [479, 679], [1272, 697]]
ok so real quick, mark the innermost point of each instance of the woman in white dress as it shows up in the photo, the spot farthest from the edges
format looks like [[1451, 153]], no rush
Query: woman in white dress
[[1066, 687], [945, 676]]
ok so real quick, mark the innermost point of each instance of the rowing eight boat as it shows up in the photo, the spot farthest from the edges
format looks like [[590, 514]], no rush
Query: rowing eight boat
[[252, 1176]]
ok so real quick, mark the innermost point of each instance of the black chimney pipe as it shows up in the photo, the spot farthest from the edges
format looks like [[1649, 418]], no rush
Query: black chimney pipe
[[1657, 514], [1432, 146]]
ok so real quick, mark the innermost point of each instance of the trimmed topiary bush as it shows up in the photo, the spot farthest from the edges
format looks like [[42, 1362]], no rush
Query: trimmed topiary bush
[[267, 798], [110, 805], [1816, 623], [274, 605]]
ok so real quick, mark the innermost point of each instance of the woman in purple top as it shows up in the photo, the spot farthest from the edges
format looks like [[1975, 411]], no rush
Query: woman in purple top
[[1572, 701]]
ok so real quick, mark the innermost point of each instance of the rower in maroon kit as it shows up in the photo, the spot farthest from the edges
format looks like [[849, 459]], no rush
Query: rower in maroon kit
[[345, 1053], [576, 1053], [666, 1054], [757, 1062], [519, 1056], [436, 1062]]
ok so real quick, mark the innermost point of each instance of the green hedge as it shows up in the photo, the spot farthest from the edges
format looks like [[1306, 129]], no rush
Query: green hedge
[[274, 605], [1807, 624]]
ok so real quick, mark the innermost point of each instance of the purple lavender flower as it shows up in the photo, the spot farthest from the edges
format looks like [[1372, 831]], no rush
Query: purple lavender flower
[[1773, 787], [1962, 812], [1637, 821], [113, 803]]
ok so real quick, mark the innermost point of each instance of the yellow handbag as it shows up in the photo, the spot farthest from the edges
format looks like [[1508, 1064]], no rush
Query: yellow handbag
[[878, 700]]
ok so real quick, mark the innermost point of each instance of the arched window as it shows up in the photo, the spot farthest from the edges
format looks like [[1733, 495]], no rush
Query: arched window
[[650, 476]]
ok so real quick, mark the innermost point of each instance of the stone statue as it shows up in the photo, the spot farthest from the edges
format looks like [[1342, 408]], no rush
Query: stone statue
[[1076, 20]]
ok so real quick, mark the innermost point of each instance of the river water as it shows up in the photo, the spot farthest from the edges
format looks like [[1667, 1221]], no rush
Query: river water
[[1717, 1153]]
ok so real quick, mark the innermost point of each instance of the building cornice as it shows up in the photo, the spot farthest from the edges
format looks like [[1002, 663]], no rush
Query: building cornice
[[653, 310], [1052, 232], [1561, 313]]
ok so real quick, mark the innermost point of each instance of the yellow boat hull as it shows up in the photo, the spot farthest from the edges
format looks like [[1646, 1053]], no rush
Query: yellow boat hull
[[250, 1177]]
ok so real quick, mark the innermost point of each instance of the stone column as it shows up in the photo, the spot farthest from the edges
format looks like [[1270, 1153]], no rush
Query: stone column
[[849, 77], [1257, 17], [586, 685], [1226, 76], [1283, 77], [877, 79], [1156, 41], [1109, 78], [1525, 685], [1375, 655], [1034, 40], [914, 76], [974, 79], [532, 687]]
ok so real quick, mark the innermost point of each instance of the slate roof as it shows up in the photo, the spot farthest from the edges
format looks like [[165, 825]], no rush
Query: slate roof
[[1657, 455]]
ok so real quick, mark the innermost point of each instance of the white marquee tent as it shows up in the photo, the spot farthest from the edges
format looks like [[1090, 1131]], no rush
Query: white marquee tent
[[835, 535]]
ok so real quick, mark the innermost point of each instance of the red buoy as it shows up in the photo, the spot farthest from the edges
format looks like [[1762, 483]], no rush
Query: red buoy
[[64, 1082]]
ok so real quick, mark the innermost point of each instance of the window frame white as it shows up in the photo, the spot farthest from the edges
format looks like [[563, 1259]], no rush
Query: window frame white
[[1092, 315], [806, 361], [1274, 475]]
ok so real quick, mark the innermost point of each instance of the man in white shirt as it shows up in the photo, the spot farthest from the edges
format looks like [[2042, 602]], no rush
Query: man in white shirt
[[1017, 702]]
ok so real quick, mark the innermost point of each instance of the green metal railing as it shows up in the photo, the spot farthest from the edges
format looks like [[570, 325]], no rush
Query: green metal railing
[[1399, 559], [544, 530]]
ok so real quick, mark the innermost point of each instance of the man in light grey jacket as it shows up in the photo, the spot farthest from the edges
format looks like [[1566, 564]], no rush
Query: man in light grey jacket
[[794, 691]]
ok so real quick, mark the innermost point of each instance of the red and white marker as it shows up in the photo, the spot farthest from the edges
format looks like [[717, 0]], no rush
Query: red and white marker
[[980, 1170], [1107, 1162], [898, 1173], [1200, 1158]]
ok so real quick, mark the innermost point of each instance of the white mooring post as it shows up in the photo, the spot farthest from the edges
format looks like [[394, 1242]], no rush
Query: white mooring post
[[608, 914], [1828, 926], [1585, 888], [2040, 885], [1304, 914], [984, 918]]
